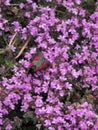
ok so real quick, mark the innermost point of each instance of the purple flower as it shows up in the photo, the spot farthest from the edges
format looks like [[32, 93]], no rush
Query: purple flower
[[39, 102], [33, 31], [29, 1], [22, 5], [28, 56], [1, 122], [49, 0], [78, 1], [16, 26], [47, 123], [8, 127], [7, 2], [32, 50], [82, 125], [13, 48], [68, 86], [34, 6], [49, 109], [27, 14], [25, 63], [24, 107]]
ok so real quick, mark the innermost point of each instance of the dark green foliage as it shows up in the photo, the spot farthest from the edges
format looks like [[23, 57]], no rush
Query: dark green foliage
[[89, 5], [61, 12]]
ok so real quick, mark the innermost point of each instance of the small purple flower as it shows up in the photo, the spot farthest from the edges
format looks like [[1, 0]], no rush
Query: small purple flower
[[47, 123], [8, 127], [34, 6], [29, 1], [68, 86], [25, 63], [32, 50], [48, 0], [28, 56], [1, 122], [22, 5], [39, 102], [27, 14], [13, 48], [7, 2], [24, 107], [16, 26]]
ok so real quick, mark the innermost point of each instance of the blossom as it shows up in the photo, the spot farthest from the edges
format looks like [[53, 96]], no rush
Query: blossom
[[21, 5], [32, 50], [68, 86], [13, 48], [47, 123], [8, 127], [28, 56], [29, 1], [39, 101], [49, 0], [34, 6], [27, 14], [17, 26], [1, 122], [7, 2]]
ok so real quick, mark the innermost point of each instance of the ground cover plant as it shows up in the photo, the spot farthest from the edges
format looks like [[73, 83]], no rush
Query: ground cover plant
[[64, 96]]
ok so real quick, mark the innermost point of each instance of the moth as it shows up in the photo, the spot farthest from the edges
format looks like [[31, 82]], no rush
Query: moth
[[38, 63]]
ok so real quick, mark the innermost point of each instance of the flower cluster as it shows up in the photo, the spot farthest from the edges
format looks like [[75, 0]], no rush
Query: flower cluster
[[64, 95]]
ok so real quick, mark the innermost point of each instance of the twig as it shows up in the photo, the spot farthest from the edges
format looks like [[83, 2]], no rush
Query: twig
[[11, 41], [22, 49], [14, 4]]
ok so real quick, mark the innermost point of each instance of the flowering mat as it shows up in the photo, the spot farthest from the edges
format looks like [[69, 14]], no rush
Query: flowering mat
[[49, 65]]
